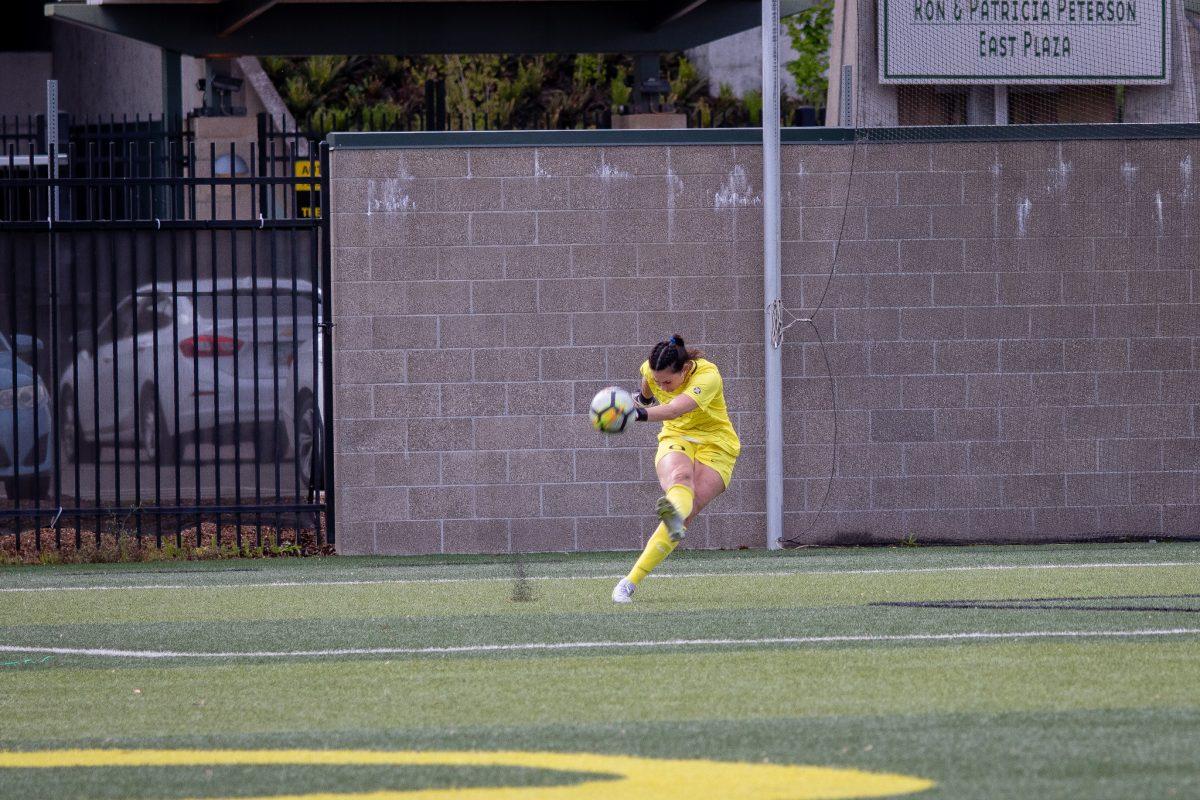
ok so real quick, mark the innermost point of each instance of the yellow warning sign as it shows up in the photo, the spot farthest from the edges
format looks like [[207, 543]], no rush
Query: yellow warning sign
[[308, 195]]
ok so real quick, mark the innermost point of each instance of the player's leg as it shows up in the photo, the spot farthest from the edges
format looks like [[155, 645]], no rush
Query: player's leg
[[693, 483], [675, 475], [674, 466], [711, 476], [707, 483]]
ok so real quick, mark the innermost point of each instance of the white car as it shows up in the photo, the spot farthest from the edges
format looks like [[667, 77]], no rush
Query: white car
[[184, 339], [26, 457]]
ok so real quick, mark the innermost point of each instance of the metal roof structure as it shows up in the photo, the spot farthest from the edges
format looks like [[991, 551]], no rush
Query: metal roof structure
[[410, 27]]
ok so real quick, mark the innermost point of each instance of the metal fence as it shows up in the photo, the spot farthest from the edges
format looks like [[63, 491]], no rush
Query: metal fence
[[163, 335], [22, 135], [101, 147]]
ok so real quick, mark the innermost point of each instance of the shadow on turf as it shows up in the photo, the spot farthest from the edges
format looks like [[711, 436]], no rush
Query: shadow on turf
[[1054, 603]]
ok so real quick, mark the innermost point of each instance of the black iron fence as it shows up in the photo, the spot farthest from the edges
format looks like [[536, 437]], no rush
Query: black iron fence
[[163, 336], [22, 134], [281, 146], [100, 148]]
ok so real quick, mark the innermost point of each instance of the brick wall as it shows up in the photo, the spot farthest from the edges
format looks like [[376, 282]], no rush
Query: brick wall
[[1011, 327]]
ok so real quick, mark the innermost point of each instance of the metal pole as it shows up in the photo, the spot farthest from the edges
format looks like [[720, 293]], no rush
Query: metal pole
[[324, 350], [771, 281], [846, 115], [52, 147], [172, 119]]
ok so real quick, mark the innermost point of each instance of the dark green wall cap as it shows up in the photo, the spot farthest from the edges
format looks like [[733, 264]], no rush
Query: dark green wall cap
[[753, 136], [568, 138], [1028, 133]]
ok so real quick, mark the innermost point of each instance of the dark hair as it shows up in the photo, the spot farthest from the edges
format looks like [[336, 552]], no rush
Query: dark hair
[[672, 354]]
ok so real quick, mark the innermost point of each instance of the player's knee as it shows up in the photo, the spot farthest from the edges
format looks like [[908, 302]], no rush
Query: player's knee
[[681, 476]]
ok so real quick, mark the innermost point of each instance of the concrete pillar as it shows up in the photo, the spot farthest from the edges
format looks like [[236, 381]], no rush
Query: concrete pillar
[[1175, 101], [981, 105], [854, 43], [224, 141]]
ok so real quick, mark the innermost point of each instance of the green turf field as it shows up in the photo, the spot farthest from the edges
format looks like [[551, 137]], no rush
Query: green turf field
[[1048, 672]]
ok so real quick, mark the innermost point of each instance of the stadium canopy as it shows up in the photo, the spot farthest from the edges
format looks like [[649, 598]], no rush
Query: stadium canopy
[[404, 27]]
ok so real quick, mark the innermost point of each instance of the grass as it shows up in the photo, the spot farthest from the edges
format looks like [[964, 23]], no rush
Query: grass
[[1045, 716]]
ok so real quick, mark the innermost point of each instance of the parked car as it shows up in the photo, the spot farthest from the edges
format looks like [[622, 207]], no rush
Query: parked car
[[197, 352], [26, 424]]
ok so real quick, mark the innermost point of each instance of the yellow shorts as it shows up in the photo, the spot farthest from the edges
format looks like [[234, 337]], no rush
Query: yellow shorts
[[706, 453]]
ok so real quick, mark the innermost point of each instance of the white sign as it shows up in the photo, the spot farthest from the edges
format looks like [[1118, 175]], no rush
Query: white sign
[[1024, 41]]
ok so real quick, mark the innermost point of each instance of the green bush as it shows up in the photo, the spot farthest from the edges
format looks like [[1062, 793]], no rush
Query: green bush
[[326, 93], [810, 31], [620, 91]]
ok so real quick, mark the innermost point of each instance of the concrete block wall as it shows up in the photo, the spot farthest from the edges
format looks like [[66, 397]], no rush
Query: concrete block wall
[[1011, 327]]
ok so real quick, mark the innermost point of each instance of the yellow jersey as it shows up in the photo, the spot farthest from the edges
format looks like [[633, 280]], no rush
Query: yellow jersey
[[707, 423]]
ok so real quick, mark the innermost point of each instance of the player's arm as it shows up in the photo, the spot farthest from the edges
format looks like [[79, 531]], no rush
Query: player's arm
[[645, 397], [676, 408]]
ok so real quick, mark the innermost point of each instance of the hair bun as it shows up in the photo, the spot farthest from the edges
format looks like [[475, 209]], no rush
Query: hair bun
[[676, 340]]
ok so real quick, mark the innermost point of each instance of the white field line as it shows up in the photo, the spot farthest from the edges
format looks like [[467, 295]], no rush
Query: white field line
[[668, 575], [646, 644]]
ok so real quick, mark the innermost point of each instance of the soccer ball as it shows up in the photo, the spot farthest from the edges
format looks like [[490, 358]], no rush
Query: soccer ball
[[611, 410]]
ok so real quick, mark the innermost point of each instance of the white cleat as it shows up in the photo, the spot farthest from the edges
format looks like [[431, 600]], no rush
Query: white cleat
[[670, 517], [623, 591]]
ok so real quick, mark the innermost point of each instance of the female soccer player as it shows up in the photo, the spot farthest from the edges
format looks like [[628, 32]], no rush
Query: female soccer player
[[697, 446]]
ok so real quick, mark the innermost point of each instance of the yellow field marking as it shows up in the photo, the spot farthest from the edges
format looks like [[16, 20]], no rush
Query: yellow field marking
[[615, 776]]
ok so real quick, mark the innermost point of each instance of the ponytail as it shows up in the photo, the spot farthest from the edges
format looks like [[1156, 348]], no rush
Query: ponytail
[[672, 355]]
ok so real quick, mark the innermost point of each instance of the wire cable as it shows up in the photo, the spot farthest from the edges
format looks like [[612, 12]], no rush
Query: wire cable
[[779, 327]]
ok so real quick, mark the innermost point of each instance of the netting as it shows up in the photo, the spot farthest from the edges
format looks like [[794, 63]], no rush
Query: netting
[[993, 293]]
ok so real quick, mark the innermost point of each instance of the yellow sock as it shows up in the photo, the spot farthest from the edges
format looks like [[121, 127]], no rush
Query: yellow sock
[[660, 544], [682, 497], [657, 549]]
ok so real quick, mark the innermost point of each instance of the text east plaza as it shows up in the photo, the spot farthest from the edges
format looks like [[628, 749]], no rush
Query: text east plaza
[[1032, 45], [1078, 11]]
